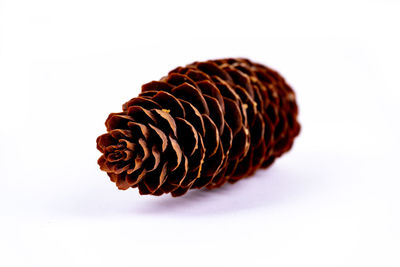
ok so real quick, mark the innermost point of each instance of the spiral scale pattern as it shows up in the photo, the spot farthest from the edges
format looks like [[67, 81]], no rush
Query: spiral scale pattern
[[202, 125]]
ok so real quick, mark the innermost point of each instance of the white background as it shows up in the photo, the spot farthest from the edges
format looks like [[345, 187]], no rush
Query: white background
[[332, 201]]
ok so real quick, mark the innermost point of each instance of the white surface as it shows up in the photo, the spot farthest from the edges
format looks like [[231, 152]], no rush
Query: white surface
[[332, 201]]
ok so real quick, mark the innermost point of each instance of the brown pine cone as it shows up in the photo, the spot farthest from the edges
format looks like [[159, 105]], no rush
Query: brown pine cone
[[200, 126]]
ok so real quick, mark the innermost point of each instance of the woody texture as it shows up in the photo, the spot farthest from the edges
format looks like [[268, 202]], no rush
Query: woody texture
[[202, 125]]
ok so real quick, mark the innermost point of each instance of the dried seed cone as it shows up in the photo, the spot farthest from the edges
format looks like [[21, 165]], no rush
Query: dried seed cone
[[200, 126]]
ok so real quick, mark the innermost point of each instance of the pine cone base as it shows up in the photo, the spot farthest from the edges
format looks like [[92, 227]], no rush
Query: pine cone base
[[202, 125]]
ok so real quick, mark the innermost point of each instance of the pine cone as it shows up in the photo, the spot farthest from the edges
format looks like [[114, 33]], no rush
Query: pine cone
[[200, 126]]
